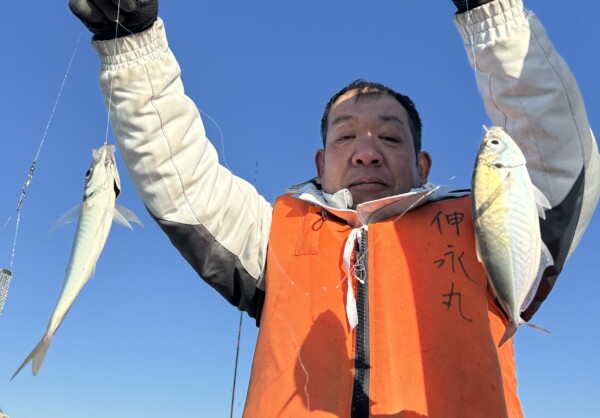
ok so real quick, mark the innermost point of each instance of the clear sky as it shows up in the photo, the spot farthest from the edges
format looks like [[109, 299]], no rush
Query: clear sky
[[146, 337]]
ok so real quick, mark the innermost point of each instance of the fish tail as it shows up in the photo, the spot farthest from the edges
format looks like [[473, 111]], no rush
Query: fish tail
[[511, 328], [37, 355]]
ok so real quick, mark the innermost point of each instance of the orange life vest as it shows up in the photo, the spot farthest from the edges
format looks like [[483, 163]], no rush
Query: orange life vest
[[431, 328]]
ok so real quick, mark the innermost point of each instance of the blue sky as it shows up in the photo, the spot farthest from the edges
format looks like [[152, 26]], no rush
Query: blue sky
[[146, 337]]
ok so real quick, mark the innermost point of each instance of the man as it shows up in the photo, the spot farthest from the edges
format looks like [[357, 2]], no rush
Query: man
[[357, 317]]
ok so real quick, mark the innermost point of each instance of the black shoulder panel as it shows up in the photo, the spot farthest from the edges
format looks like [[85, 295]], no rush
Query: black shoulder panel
[[558, 230], [216, 265]]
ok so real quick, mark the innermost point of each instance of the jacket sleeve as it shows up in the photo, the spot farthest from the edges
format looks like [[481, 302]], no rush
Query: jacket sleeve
[[529, 91], [218, 222]]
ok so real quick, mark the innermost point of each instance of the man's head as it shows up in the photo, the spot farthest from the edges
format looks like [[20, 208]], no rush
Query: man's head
[[372, 143], [369, 88]]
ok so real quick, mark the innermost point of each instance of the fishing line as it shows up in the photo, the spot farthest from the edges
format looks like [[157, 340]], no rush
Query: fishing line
[[303, 367], [223, 159], [239, 337], [111, 77], [471, 36], [225, 163], [235, 368], [6, 274]]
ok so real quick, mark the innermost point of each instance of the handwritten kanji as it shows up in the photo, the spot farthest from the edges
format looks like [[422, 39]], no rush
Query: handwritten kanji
[[453, 219], [451, 255], [448, 302], [436, 220]]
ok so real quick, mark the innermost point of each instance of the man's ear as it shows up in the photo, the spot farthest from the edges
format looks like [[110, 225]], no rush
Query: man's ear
[[320, 164], [423, 166]]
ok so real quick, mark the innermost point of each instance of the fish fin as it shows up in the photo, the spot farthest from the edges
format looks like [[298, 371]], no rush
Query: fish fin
[[511, 328], [37, 355], [536, 327], [546, 261], [71, 216], [123, 216], [541, 201]]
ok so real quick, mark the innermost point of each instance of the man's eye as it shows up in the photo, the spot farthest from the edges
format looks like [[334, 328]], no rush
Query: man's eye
[[346, 137], [390, 138]]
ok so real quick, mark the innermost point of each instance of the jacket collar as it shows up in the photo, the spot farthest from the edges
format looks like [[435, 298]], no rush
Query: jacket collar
[[339, 204]]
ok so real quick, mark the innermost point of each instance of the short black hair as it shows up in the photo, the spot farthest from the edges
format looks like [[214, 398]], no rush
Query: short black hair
[[370, 88]]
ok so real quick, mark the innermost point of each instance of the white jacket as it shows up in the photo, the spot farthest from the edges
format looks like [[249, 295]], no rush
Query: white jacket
[[221, 224]]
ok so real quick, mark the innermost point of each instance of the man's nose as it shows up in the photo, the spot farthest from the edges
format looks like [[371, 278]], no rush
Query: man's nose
[[367, 152]]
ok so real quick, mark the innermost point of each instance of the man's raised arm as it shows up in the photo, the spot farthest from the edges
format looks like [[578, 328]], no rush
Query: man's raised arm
[[529, 91], [218, 222]]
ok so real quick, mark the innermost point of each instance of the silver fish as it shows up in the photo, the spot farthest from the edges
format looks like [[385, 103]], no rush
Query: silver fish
[[95, 216], [506, 211]]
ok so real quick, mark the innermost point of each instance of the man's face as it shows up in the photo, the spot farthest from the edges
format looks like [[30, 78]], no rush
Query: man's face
[[369, 149]]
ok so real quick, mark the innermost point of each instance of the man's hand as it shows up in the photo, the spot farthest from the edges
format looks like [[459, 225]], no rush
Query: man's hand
[[100, 16], [464, 5]]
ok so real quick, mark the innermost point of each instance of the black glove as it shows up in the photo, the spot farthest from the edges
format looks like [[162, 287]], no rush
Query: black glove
[[100, 16], [464, 5]]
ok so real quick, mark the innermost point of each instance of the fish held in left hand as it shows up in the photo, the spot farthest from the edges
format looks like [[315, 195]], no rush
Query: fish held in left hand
[[507, 208], [95, 216]]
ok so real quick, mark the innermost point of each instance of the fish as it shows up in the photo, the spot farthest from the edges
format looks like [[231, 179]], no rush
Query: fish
[[507, 208], [95, 216]]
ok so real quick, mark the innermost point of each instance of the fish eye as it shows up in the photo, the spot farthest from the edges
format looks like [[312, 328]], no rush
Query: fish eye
[[494, 142]]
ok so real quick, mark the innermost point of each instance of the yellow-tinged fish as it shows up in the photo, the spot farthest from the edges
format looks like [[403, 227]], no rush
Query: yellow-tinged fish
[[96, 214], [506, 211]]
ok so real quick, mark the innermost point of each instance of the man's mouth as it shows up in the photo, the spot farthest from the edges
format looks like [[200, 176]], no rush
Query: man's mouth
[[368, 183]]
